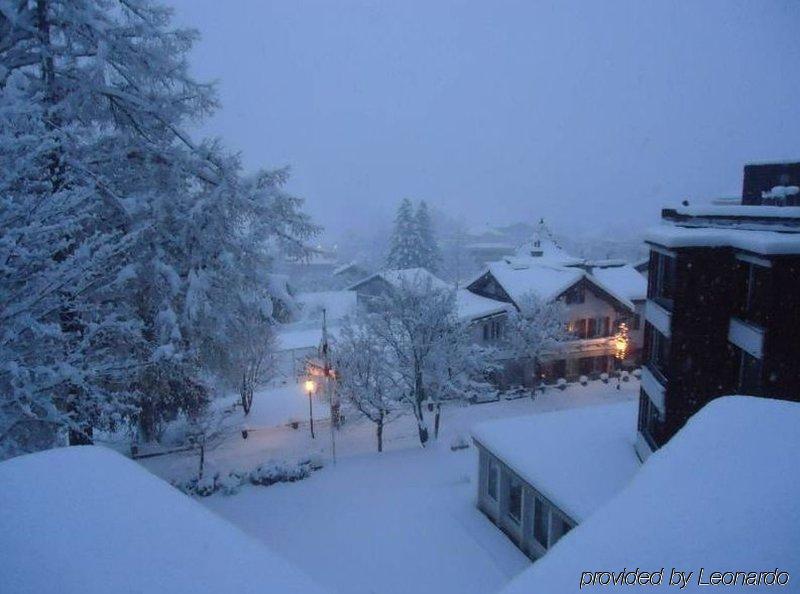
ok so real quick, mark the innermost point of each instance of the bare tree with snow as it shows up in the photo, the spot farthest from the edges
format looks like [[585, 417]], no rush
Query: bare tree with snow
[[365, 377], [427, 347], [537, 327]]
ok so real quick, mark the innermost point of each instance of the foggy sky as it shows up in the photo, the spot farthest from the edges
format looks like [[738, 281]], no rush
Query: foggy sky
[[590, 114]]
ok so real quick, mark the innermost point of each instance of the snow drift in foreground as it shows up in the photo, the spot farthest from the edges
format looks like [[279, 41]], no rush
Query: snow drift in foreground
[[88, 520], [721, 496]]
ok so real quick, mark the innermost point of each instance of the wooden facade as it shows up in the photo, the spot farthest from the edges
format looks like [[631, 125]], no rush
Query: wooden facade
[[719, 320]]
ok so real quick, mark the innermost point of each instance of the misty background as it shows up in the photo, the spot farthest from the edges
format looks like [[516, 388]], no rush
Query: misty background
[[592, 115]]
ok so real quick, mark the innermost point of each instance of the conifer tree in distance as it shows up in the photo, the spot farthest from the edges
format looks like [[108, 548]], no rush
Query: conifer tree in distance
[[404, 251], [428, 248]]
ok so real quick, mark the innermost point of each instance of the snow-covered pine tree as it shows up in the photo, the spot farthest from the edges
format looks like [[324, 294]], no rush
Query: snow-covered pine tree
[[121, 239], [429, 255], [404, 250]]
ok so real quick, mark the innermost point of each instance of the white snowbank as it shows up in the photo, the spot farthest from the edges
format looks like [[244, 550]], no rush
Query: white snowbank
[[87, 520], [722, 495], [578, 459]]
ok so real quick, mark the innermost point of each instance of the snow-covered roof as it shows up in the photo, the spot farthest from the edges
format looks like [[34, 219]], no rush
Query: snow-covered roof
[[471, 306], [86, 520], [337, 304], [345, 267], [548, 279], [519, 277], [738, 210], [406, 277], [578, 458], [302, 335], [623, 282], [757, 241], [721, 495]]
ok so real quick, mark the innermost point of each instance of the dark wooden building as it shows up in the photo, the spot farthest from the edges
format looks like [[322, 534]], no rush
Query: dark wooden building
[[761, 179], [722, 315]]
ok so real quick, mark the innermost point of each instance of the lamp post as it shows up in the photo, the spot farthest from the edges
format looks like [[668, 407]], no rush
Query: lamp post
[[310, 389]]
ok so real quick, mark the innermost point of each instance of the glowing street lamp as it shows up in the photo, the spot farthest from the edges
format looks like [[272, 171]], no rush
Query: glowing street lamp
[[310, 387]]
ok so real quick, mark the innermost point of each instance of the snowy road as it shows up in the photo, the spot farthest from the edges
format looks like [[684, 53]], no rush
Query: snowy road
[[389, 523]]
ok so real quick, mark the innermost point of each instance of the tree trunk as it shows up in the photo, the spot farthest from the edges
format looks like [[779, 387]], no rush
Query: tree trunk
[[246, 393], [379, 431], [419, 396], [436, 421], [83, 437], [202, 461]]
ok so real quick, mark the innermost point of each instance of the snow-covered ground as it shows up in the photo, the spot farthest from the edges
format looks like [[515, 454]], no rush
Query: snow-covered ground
[[375, 523]]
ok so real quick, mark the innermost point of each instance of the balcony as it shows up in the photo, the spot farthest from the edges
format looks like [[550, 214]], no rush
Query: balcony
[[654, 385], [660, 318], [748, 337]]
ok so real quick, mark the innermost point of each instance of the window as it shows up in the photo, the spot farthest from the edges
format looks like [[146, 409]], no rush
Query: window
[[754, 296], [577, 328], [749, 374], [559, 529], [658, 352], [515, 499], [650, 419], [541, 520], [635, 321], [591, 330], [662, 279], [492, 479]]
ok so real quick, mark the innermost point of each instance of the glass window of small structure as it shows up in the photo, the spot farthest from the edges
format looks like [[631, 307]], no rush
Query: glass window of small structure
[[514, 499], [541, 521], [749, 374], [492, 479], [560, 528], [663, 279]]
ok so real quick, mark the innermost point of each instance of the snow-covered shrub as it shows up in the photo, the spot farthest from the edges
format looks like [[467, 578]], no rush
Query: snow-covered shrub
[[459, 443], [561, 383], [264, 475], [205, 486], [279, 472], [230, 484], [637, 373], [314, 462], [625, 376], [604, 377], [583, 380]]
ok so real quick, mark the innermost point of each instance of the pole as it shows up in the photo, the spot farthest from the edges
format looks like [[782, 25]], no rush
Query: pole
[[333, 429], [311, 414], [334, 407]]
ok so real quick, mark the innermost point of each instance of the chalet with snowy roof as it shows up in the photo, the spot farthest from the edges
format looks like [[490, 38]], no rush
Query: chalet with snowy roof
[[371, 289], [348, 274], [600, 297], [723, 307], [721, 496]]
